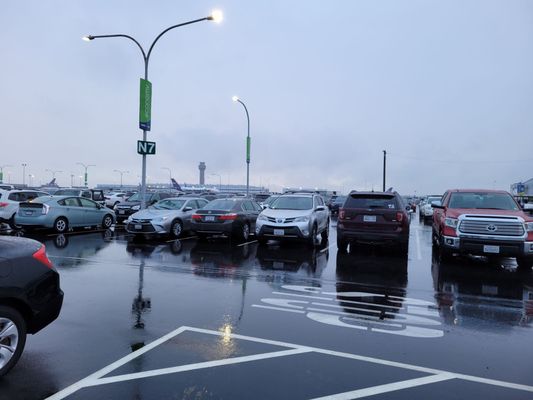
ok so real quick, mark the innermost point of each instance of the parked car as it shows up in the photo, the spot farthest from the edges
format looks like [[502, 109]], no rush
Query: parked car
[[425, 210], [235, 217], [6, 187], [133, 203], [62, 213], [374, 218], [483, 222], [9, 203], [336, 204], [113, 198], [93, 194], [169, 216], [268, 202], [30, 295], [300, 216]]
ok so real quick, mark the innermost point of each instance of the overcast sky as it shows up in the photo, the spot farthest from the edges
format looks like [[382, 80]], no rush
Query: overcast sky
[[446, 87]]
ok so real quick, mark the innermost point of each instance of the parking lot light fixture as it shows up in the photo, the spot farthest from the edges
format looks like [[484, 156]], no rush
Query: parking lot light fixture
[[215, 16], [86, 168], [248, 144], [121, 173], [2, 172]]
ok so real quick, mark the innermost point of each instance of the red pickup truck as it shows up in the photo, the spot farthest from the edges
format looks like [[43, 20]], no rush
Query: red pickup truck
[[483, 222]]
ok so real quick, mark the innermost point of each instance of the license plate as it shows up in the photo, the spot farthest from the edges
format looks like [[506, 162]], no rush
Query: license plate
[[369, 218], [491, 249], [121, 211], [138, 226], [210, 218], [279, 232], [28, 212]]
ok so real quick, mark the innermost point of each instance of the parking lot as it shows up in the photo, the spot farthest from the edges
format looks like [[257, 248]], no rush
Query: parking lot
[[188, 319]]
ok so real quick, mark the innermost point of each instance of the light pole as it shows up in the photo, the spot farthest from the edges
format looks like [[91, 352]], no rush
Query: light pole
[[54, 172], [71, 179], [86, 168], [24, 165], [2, 172], [248, 145], [121, 173], [31, 176], [219, 180], [215, 16], [169, 171], [384, 168]]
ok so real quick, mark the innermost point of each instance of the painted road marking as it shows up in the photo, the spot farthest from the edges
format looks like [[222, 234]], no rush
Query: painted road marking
[[244, 244], [371, 312], [418, 251], [435, 375], [389, 387]]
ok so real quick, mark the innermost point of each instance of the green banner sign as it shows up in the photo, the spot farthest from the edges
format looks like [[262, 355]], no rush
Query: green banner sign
[[145, 105], [248, 145]]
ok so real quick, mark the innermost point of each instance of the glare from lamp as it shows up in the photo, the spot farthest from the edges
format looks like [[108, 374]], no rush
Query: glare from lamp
[[216, 16], [235, 98]]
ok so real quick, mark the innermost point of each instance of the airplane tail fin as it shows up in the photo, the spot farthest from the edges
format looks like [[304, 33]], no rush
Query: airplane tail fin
[[176, 185]]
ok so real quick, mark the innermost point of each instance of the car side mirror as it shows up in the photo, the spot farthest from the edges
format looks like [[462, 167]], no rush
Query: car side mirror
[[436, 204], [408, 208], [187, 209], [320, 208]]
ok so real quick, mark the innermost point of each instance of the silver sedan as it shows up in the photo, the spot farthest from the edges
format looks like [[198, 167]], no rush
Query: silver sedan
[[169, 216]]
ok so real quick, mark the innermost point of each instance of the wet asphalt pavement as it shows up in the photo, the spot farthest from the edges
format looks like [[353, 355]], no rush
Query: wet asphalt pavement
[[184, 319]]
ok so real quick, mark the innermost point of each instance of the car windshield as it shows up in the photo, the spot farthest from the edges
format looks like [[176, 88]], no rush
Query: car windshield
[[480, 200], [169, 204], [220, 204], [137, 197], [371, 202], [293, 203], [433, 198]]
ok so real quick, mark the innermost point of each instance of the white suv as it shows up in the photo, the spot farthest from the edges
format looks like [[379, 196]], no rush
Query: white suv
[[294, 216]]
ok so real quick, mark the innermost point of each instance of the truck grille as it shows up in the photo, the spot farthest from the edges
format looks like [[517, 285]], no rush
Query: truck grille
[[495, 228]]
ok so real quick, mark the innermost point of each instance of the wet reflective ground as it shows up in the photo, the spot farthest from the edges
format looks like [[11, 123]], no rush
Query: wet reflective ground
[[277, 321]]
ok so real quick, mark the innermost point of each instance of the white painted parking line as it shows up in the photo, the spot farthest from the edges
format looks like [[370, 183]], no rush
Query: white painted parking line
[[389, 387], [244, 244], [192, 367], [436, 375], [328, 248], [418, 252]]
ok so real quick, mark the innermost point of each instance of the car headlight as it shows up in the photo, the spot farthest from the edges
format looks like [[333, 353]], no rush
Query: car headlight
[[159, 220], [529, 226], [137, 207], [302, 219], [262, 217], [451, 222]]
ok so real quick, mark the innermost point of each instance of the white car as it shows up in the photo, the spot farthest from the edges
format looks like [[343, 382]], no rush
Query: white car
[[113, 198], [426, 211], [294, 216], [9, 203]]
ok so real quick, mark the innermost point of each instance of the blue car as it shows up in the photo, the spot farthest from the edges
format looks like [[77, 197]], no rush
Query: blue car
[[62, 213]]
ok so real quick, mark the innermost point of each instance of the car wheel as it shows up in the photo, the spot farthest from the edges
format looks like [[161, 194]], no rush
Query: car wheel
[[244, 232], [312, 236], [524, 263], [342, 246], [61, 225], [325, 233], [12, 338], [107, 221], [176, 229]]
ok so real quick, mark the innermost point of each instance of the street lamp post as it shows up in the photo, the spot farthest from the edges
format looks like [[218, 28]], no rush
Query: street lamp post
[[215, 16], [384, 167], [248, 145], [54, 172], [219, 180], [86, 168], [169, 171], [31, 176], [71, 179], [2, 172], [121, 173], [24, 165]]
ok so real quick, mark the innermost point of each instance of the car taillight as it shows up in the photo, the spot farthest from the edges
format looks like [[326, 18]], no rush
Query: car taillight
[[45, 209], [399, 216], [341, 213], [228, 217], [40, 255], [2, 204], [196, 217]]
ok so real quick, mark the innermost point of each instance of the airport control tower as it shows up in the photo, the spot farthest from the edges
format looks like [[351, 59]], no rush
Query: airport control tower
[[202, 167]]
